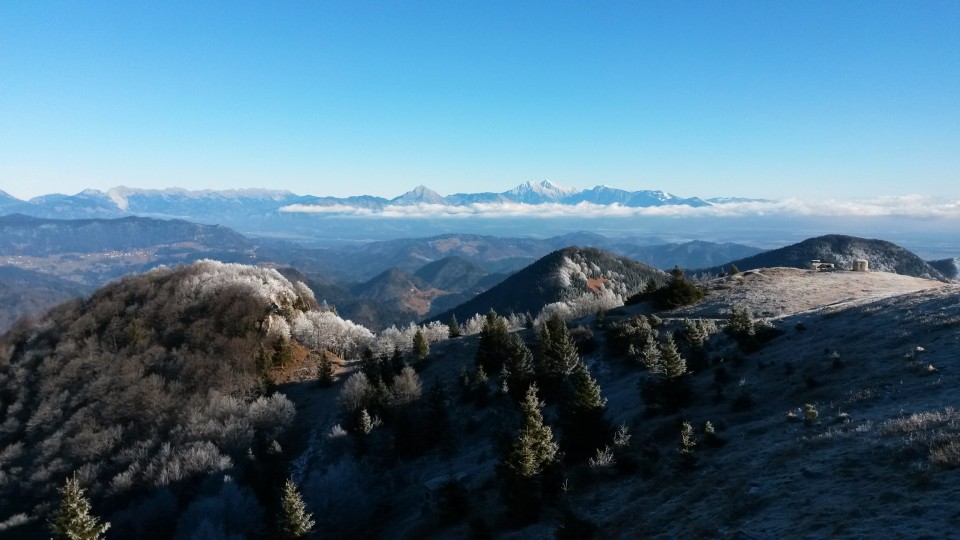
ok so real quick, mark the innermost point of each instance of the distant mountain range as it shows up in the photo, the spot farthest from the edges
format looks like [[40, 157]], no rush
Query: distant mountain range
[[208, 206]]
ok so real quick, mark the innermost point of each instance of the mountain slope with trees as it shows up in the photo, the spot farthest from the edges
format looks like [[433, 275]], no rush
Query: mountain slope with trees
[[154, 393], [581, 278]]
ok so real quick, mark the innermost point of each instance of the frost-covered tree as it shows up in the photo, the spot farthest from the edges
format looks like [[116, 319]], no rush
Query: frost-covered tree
[[295, 521], [73, 520], [534, 447], [326, 330], [473, 325], [355, 392], [406, 387]]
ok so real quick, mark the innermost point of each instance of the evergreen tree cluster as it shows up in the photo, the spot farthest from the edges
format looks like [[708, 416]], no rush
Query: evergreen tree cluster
[[677, 292], [667, 386]]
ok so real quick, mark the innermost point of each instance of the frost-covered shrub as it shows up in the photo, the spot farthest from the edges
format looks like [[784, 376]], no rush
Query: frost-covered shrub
[[326, 330], [172, 464], [473, 325], [355, 392]]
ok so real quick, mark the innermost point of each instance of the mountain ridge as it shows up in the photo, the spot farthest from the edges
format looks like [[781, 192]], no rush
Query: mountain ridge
[[840, 250], [193, 204]]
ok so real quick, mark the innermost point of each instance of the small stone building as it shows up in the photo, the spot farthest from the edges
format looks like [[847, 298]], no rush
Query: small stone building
[[816, 265], [861, 265]]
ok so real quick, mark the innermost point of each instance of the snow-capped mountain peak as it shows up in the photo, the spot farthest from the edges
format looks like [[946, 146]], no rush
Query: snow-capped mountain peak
[[539, 192]]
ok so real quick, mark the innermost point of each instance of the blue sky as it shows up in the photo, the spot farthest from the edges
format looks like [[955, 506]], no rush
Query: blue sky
[[761, 99]]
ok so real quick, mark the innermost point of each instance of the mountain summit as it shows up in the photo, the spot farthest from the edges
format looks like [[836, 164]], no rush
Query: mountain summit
[[531, 192]]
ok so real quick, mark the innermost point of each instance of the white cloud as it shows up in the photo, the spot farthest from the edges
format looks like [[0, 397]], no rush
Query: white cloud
[[915, 206]]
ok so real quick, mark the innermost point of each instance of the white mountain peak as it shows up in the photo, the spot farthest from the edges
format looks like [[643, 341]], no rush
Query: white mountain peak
[[544, 187]]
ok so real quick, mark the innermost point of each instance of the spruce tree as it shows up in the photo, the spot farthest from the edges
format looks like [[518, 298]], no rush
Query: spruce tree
[[494, 338], [453, 328], [325, 377], [73, 520], [534, 446], [675, 391], [557, 353], [650, 357], [364, 423], [397, 363], [678, 291], [421, 348], [585, 426], [526, 462], [674, 365], [519, 364], [295, 522]]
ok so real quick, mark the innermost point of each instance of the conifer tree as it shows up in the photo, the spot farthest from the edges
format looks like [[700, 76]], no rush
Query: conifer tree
[[325, 377], [674, 365], [585, 427], [73, 520], [519, 363], [453, 328], [668, 385], [397, 362], [494, 338], [295, 522], [557, 354], [421, 348], [364, 423], [650, 356], [534, 446]]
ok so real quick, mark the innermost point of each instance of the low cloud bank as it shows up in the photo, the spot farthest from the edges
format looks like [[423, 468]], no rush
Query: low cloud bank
[[914, 206]]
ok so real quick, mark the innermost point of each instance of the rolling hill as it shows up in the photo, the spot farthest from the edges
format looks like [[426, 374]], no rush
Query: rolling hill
[[25, 235], [26, 292], [843, 251], [570, 275]]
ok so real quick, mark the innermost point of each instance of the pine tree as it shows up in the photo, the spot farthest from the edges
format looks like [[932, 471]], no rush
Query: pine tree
[[585, 427], [397, 362], [651, 358], [558, 354], [421, 348], [678, 291], [674, 365], [73, 520], [519, 363], [667, 386], [534, 446], [454, 328], [325, 377], [295, 522], [494, 338], [364, 423]]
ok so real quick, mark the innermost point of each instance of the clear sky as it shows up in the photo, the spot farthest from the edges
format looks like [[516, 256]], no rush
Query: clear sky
[[714, 98]]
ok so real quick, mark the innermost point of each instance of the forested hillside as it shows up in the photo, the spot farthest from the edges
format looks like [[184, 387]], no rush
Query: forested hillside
[[571, 281], [153, 392]]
